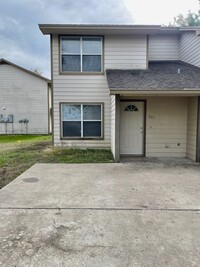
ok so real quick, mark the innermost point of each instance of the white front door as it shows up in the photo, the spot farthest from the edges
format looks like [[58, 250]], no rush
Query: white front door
[[132, 128]]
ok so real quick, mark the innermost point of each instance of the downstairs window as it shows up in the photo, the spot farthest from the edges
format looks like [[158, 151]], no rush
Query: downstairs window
[[81, 120]]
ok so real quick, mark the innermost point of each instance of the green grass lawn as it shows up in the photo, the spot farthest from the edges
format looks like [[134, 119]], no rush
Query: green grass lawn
[[23, 138], [20, 152]]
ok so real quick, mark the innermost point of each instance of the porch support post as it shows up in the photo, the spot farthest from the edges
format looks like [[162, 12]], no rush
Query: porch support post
[[117, 129], [198, 131]]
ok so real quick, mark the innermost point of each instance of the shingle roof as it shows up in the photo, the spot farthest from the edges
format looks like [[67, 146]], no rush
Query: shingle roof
[[173, 75]]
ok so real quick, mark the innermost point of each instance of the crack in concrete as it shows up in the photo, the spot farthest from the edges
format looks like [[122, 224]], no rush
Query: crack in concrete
[[103, 209]]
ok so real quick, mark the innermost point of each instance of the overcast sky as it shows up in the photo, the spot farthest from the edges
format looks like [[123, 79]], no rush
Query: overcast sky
[[22, 42]]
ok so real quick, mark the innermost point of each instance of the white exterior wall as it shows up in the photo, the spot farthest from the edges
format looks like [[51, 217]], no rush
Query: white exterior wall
[[189, 48], [113, 123], [125, 52], [166, 127], [192, 128], [163, 47], [24, 96]]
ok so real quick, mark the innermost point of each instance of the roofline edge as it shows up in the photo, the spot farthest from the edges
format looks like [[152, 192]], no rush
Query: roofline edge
[[24, 69]]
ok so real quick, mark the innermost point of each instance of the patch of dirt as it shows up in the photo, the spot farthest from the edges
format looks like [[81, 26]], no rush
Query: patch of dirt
[[11, 170], [24, 145], [7, 174]]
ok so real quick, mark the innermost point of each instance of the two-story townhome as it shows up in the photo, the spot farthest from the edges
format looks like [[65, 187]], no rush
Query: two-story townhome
[[134, 89]]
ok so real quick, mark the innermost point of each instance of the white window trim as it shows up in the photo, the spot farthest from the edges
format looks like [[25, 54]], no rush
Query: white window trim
[[81, 54]]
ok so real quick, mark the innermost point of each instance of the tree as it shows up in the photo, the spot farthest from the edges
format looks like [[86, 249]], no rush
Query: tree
[[191, 19], [37, 71]]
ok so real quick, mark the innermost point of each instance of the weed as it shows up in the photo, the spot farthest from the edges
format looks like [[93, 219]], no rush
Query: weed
[[38, 149]]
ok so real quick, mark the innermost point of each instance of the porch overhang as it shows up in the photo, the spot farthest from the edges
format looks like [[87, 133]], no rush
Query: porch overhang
[[166, 78], [133, 92]]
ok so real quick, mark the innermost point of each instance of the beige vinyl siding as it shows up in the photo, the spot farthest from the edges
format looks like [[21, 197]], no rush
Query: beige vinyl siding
[[125, 52], [24, 96], [171, 126], [163, 47], [192, 127], [166, 133], [113, 123], [189, 48], [81, 89]]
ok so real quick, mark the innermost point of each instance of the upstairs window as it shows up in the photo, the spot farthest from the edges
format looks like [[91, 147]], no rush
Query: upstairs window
[[81, 54]]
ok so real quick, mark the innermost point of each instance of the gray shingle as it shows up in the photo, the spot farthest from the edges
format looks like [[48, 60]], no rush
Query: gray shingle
[[171, 75]]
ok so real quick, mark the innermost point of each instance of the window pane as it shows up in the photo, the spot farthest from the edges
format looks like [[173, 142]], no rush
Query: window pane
[[71, 112], [92, 112], [131, 108], [71, 128], [70, 45], [92, 129], [92, 63], [91, 45], [71, 63]]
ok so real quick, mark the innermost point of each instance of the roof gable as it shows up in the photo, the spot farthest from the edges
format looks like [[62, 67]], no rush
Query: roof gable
[[4, 61]]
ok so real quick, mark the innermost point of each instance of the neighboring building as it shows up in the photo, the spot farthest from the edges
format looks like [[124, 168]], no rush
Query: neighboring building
[[134, 89], [24, 101]]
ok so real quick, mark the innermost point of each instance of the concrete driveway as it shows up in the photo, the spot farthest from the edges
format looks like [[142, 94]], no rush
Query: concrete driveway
[[144, 213]]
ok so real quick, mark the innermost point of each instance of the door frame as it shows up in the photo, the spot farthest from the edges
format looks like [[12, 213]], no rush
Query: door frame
[[198, 131], [144, 119]]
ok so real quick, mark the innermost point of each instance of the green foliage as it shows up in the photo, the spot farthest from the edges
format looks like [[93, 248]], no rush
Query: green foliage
[[20, 138], [20, 152], [191, 19]]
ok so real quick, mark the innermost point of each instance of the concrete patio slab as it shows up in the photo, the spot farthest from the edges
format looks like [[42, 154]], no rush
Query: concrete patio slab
[[144, 213], [136, 185], [99, 238]]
